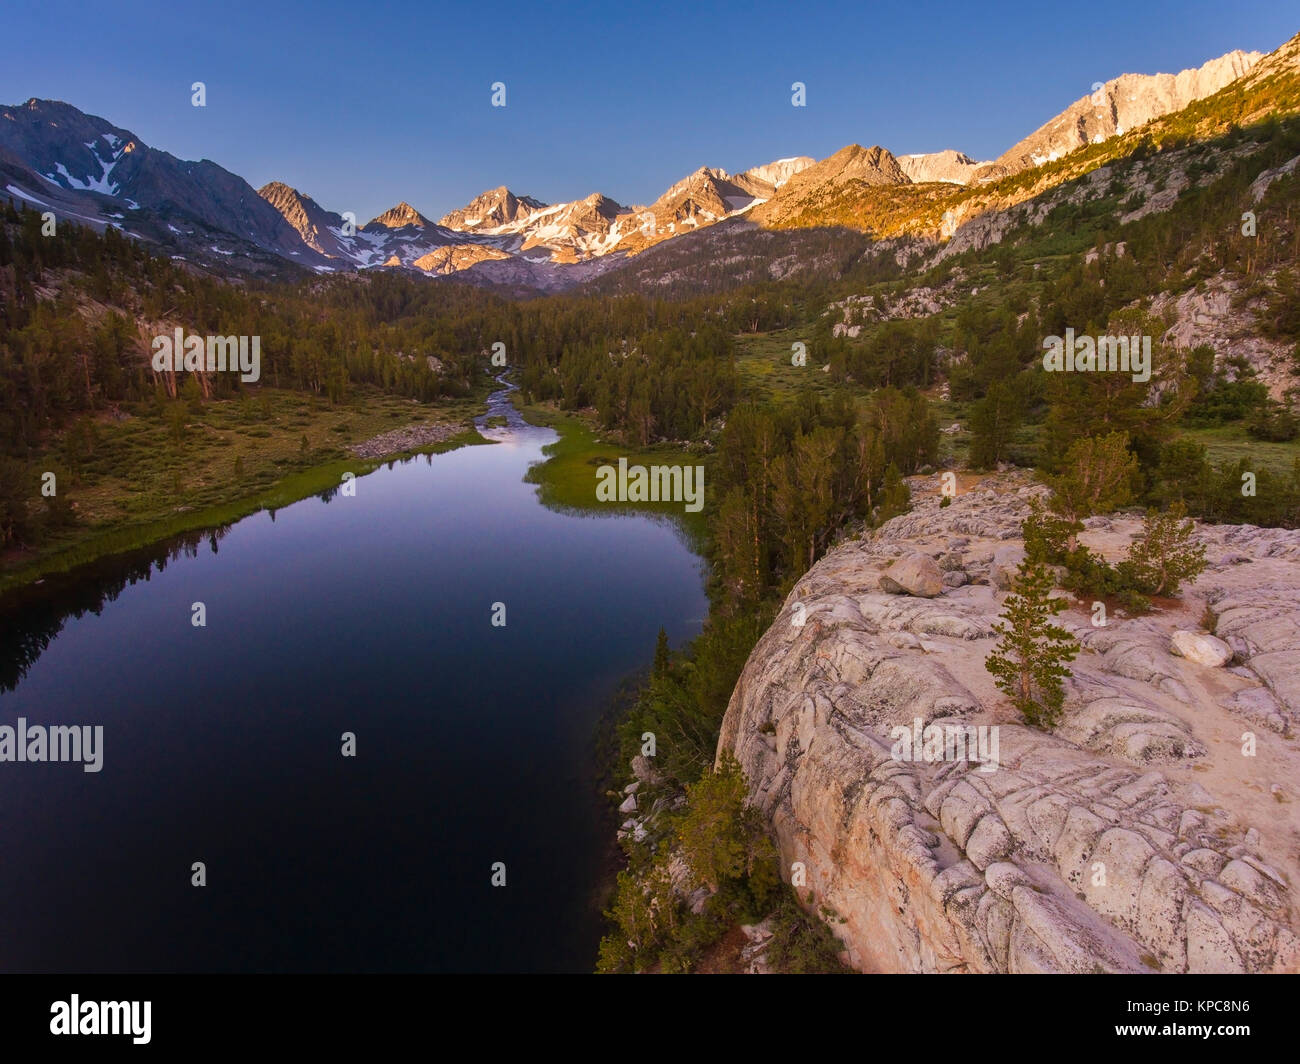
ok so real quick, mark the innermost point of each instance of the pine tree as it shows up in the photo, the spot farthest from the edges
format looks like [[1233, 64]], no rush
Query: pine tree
[[715, 833], [895, 497], [993, 422], [1097, 477], [1029, 662], [802, 496], [1046, 535], [1165, 555], [663, 657], [1083, 404], [645, 913], [16, 488]]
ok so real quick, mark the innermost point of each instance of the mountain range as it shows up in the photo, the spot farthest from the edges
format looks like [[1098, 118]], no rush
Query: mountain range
[[55, 157]]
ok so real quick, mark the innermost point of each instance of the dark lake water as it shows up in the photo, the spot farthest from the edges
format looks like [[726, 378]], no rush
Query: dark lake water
[[222, 744]]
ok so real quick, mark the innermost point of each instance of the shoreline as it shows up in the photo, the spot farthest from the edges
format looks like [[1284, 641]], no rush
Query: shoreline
[[561, 475], [552, 475], [284, 492]]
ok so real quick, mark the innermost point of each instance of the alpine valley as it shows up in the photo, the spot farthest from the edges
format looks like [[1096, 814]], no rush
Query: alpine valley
[[624, 543]]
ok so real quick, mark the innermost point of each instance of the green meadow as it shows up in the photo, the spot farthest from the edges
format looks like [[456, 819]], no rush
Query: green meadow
[[158, 471], [567, 478]]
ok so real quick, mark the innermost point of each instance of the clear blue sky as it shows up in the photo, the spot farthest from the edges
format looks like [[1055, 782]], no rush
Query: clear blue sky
[[363, 105]]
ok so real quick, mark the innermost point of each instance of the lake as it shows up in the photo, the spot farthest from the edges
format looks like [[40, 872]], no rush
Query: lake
[[223, 744]]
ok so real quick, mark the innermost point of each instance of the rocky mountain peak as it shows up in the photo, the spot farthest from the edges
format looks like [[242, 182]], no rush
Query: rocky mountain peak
[[777, 173], [602, 203], [308, 218], [401, 215], [874, 166], [1122, 104], [706, 177], [954, 167], [289, 202], [277, 192], [490, 210]]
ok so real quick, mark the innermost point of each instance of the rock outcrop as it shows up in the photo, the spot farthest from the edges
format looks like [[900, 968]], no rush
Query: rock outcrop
[[951, 166], [1218, 313], [1155, 829], [1121, 104], [457, 257]]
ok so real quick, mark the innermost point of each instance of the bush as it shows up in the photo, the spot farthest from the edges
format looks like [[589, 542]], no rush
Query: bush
[[1160, 559], [645, 912], [1090, 574], [1228, 401], [1048, 541], [726, 849], [1274, 423], [693, 935], [1134, 604], [59, 513], [802, 944]]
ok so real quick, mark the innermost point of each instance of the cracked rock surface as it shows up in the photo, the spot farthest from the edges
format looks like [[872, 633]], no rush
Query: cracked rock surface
[[1139, 835]]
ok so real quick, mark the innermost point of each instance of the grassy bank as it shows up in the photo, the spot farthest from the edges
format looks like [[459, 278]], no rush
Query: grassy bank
[[154, 472], [568, 476]]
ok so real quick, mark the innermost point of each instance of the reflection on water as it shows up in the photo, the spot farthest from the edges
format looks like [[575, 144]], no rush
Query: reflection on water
[[31, 616], [367, 615]]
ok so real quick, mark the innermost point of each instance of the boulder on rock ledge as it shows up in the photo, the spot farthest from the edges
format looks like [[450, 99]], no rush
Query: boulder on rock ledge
[[913, 574], [1202, 649]]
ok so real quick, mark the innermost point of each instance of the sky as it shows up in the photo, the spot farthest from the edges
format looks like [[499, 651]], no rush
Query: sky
[[361, 106]]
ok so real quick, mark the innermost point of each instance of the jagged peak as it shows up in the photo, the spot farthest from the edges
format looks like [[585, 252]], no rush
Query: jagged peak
[[855, 150], [603, 204], [277, 187], [947, 153], [496, 206], [287, 199], [401, 215]]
